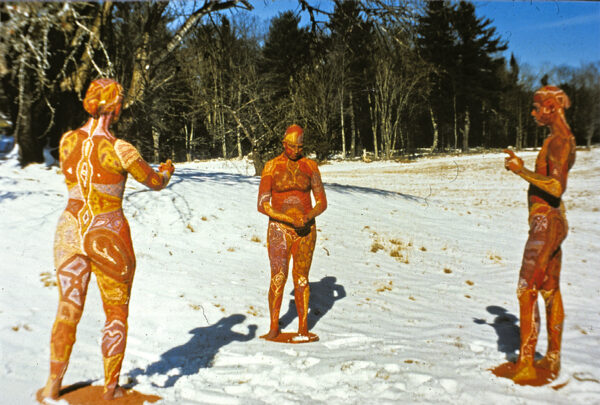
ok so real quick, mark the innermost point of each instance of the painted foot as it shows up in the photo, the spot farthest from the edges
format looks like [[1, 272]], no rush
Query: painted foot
[[51, 390], [273, 333], [117, 392], [550, 363], [524, 373]]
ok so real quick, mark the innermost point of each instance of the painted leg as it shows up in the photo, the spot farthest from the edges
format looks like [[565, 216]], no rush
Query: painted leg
[[114, 340], [554, 323], [302, 253], [275, 298], [278, 247], [73, 279], [529, 333], [302, 296], [554, 311], [115, 301]]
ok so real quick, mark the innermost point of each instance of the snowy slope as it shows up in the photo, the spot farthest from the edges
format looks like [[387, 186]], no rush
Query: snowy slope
[[413, 287]]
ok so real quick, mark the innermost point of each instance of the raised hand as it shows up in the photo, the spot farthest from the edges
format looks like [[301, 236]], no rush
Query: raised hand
[[513, 162], [166, 166]]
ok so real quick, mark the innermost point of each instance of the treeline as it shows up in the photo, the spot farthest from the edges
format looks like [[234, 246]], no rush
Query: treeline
[[202, 82]]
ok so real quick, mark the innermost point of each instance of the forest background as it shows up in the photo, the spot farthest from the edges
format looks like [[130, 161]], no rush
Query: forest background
[[372, 78]]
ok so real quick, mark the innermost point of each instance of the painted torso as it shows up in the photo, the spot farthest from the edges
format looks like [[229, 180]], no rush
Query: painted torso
[[557, 154], [291, 184], [94, 175]]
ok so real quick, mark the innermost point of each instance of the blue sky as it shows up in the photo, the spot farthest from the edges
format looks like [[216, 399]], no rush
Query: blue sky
[[538, 32]]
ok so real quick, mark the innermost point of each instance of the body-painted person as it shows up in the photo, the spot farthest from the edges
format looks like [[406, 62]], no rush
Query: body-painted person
[[284, 196], [93, 235], [540, 270]]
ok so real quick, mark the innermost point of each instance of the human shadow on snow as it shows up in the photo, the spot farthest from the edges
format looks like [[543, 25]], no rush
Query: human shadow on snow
[[199, 352], [323, 294], [505, 325]]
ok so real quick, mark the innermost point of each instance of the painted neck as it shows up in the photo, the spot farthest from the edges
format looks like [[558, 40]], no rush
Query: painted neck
[[560, 126], [99, 125]]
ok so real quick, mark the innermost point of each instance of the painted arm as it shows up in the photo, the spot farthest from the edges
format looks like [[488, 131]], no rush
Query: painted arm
[[264, 199], [554, 184], [319, 192], [132, 161]]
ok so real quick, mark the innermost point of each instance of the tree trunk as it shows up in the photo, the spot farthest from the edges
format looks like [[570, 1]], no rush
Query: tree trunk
[[519, 144], [436, 134], [189, 139], [353, 128], [156, 145], [465, 140], [342, 122], [30, 150], [237, 128], [455, 122], [374, 125]]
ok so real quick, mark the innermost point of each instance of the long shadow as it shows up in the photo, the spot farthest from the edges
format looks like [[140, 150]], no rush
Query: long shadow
[[233, 179], [505, 325], [344, 188], [323, 294], [228, 179], [199, 352]]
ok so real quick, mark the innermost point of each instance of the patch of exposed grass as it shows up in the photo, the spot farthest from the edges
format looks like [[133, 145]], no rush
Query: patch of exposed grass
[[376, 247], [48, 279]]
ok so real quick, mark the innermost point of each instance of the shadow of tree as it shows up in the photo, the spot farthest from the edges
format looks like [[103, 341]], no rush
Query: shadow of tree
[[233, 179], [343, 188], [199, 352], [323, 294]]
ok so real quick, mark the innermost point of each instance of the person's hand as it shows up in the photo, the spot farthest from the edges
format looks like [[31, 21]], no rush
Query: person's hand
[[305, 219], [166, 166], [513, 162], [297, 222]]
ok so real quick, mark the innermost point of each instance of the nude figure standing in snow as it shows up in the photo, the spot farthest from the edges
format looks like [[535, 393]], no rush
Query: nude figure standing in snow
[[93, 235], [540, 270], [284, 196]]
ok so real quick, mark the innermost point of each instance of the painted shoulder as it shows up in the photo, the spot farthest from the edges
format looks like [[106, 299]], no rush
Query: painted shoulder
[[271, 165], [312, 165], [126, 152]]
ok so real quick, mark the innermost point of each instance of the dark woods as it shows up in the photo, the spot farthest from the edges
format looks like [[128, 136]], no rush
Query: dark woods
[[205, 79]]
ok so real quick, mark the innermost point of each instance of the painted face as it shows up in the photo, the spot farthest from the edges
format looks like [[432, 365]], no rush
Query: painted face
[[293, 150], [293, 142], [543, 111], [549, 103]]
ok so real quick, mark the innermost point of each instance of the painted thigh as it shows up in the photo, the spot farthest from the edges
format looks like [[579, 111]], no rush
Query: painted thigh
[[546, 233], [73, 274], [279, 245], [302, 252], [552, 279]]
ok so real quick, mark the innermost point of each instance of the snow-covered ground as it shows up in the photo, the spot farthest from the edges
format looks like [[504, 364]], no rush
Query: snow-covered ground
[[413, 287]]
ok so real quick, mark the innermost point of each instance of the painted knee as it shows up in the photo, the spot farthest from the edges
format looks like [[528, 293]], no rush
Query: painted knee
[[554, 308], [300, 282], [524, 289], [277, 283]]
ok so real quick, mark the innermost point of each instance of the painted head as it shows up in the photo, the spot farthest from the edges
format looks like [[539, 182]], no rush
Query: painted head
[[103, 97], [549, 103], [293, 141]]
